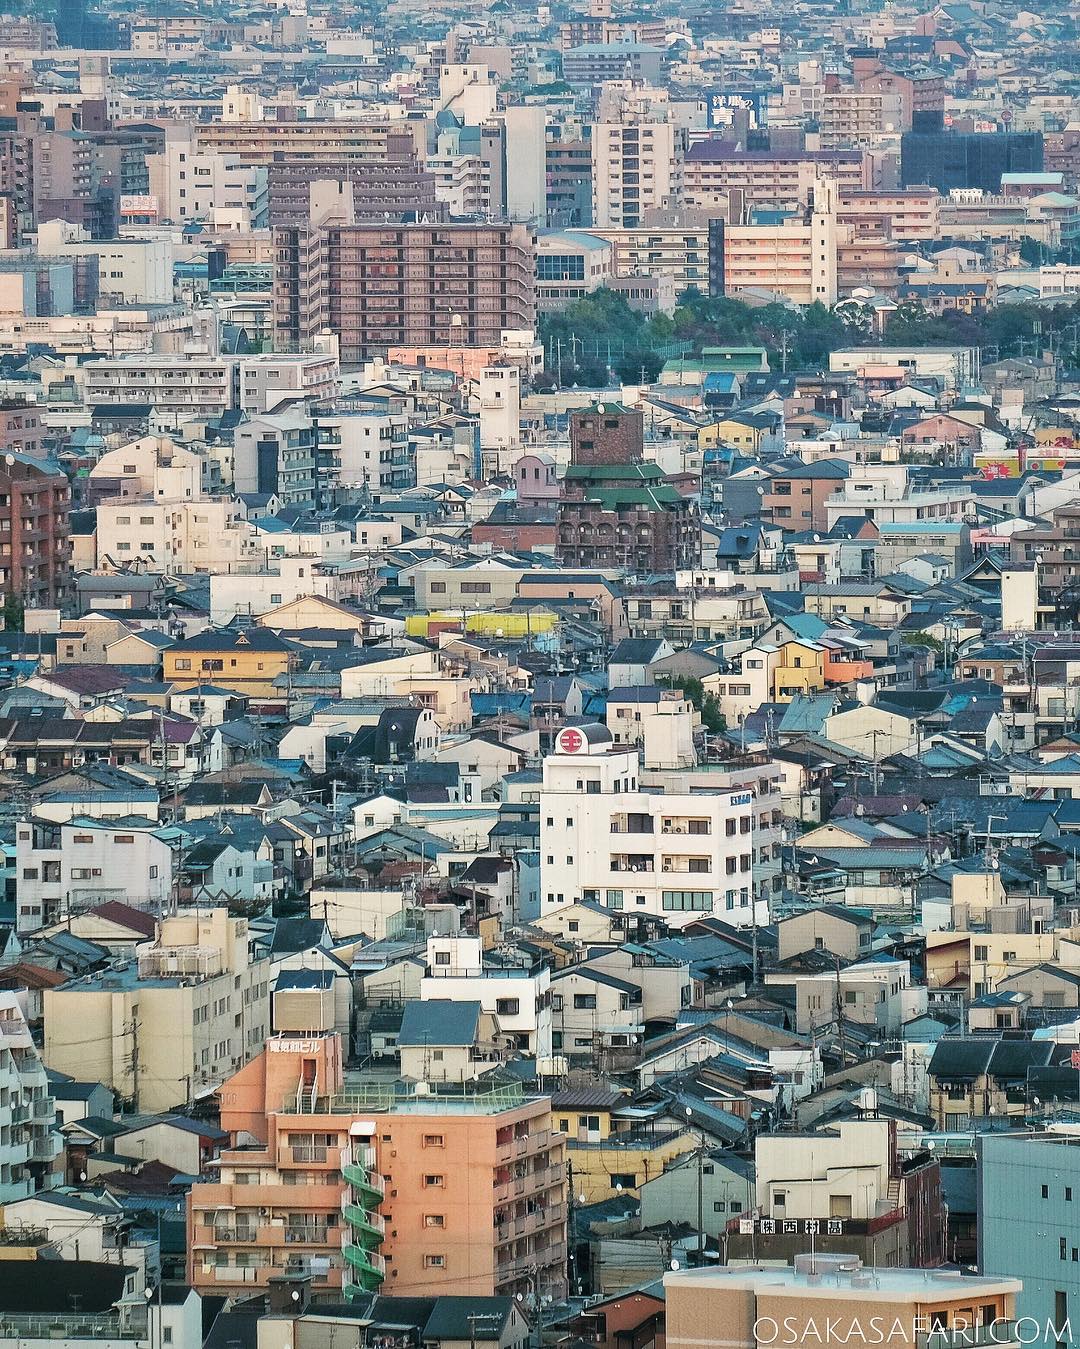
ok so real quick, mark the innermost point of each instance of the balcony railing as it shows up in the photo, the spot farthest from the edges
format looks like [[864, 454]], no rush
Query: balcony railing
[[71, 1326], [1002, 1333]]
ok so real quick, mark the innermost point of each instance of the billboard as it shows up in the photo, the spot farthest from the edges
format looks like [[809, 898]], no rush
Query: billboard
[[141, 204], [723, 104]]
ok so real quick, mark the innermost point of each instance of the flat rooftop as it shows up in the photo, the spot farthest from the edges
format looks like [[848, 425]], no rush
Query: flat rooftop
[[858, 1281]]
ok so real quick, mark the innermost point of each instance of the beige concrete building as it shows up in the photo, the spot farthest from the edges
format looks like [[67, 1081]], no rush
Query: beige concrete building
[[635, 167], [910, 215], [853, 117], [757, 1305], [170, 1025], [671, 244]]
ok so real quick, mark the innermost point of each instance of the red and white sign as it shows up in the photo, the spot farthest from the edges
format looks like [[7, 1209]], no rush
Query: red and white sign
[[1074, 1059], [571, 741]]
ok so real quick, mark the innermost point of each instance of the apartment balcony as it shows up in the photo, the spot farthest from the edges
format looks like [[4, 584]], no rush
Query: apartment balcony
[[523, 1146], [505, 1191], [312, 1156], [530, 1223], [1001, 1333], [15, 1034]]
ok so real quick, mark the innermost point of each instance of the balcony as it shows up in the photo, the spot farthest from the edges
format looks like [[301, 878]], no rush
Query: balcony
[[309, 1156], [313, 1234], [1002, 1333]]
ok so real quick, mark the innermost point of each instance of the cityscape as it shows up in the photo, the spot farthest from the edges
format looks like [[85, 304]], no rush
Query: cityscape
[[539, 674]]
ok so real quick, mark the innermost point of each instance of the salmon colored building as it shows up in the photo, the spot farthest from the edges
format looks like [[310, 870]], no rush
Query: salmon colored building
[[385, 1186]]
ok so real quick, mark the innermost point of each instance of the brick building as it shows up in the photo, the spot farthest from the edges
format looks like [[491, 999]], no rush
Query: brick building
[[616, 510], [390, 183], [380, 286], [20, 427], [35, 505]]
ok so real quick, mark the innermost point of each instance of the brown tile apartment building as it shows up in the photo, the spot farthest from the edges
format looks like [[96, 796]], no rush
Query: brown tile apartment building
[[405, 285], [35, 551]]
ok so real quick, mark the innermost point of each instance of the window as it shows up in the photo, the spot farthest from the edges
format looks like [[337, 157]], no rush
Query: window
[[1045, 1191], [982, 952], [433, 1141], [433, 1182], [434, 1261], [507, 1006], [682, 901], [434, 1220], [442, 957], [585, 1002], [622, 1180]]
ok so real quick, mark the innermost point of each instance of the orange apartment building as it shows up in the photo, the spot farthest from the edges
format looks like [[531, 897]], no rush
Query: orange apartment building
[[775, 179], [378, 1185], [908, 215]]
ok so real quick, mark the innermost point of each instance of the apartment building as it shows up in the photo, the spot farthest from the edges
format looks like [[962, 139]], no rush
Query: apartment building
[[275, 454], [304, 141], [411, 285], [635, 168], [765, 782], [607, 838], [1026, 1182], [854, 117], [187, 183], [35, 544], [65, 868], [202, 386], [152, 467], [208, 535], [877, 1202], [28, 1145], [129, 271], [778, 180], [796, 257], [391, 185], [888, 494], [670, 244], [372, 1186], [171, 1024], [569, 183], [21, 427], [911, 215]]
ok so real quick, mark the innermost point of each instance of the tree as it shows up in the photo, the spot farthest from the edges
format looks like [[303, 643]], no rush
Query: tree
[[924, 639], [14, 611], [706, 702]]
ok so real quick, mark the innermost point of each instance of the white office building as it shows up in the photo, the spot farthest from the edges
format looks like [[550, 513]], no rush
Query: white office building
[[605, 837]]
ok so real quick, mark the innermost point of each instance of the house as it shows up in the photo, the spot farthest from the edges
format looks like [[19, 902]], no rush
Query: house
[[246, 661], [841, 931], [448, 1041], [727, 1191], [630, 664]]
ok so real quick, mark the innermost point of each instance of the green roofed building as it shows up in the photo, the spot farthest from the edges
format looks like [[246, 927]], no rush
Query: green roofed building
[[616, 510]]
